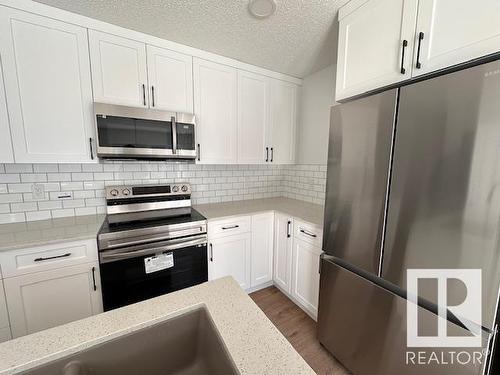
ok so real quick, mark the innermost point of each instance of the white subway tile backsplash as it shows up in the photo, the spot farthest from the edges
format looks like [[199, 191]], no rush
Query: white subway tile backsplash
[[11, 198], [9, 177], [70, 167], [18, 168], [84, 184], [38, 215], [23, 207], [12, 218], [63, 213]]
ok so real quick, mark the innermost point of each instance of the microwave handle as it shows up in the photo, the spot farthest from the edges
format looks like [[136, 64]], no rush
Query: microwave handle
[[174, 135]]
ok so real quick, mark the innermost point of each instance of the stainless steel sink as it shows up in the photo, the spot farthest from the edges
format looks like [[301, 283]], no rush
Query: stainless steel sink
[[188, 344]]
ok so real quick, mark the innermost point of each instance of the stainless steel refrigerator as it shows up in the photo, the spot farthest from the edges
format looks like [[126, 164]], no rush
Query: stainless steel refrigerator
[[413, 181]]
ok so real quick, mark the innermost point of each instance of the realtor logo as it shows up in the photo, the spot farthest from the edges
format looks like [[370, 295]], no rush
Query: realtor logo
[[468, 312]]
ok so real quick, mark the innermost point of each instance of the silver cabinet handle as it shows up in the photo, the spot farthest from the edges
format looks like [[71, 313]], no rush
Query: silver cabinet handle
[[144, 94], [54, 257], [211, 253], [152, 96], [288, 234], [308, 234], [267, 154], [231, 227], [93, 278], [199, 152], [272, 154]]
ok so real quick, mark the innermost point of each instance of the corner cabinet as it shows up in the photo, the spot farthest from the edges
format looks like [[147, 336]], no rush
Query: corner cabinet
[[382, 42], [48, 88], [215, 108], [6, 152], [262, 248], [283, 227], [283, 122]]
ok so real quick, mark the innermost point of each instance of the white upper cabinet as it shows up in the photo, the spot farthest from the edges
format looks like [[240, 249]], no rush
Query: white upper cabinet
[[215, 108], [48, 87], [283, 122], [373, 37], [253, 118], [455, 31], [119, 72], [170, 76], [6, 154]]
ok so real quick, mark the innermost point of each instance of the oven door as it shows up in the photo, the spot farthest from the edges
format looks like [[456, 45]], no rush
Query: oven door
[[126, 279], [133, 137]]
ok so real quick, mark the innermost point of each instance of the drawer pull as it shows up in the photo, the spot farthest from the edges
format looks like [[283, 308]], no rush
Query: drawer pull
[[308, 234], [54, 257], [231, 227], [288, 235]]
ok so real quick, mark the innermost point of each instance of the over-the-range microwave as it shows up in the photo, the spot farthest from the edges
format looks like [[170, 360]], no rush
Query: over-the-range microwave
[[140, 133]]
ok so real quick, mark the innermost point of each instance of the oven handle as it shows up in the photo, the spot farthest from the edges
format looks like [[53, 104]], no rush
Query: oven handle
[[114, 256]]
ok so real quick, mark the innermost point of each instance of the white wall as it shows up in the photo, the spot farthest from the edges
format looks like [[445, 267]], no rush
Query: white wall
[[317, 95]]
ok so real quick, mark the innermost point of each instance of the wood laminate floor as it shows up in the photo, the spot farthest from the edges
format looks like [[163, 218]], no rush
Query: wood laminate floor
[[298, 328]]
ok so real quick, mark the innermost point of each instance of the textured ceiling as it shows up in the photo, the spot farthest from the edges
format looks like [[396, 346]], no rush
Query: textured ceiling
[[299, 39]]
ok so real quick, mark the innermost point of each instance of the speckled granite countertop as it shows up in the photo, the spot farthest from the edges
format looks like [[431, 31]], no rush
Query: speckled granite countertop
[[254, 343], [312, 213], [44, 232]]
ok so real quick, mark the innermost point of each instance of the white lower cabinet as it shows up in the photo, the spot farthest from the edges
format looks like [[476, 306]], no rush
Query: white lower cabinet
[[230, 256], [305, 275], [283, 226], [262, 248], [50, 298]]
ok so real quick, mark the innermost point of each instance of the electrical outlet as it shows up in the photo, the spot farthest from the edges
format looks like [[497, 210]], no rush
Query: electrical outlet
[[38, 191]]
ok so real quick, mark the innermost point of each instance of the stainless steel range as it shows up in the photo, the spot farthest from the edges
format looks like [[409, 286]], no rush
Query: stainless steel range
[[152, 242]]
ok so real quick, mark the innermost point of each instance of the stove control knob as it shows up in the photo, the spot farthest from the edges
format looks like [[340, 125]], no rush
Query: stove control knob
[[175, 189], [114, 192], [126, 192], [184, 188]]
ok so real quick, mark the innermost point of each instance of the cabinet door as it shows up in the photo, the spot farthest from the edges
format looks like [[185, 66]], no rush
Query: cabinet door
[[215, 107], [4, 319], [262, 248], [170, 76], [253, 118], [47, 299], [119, 74], [305, 275], [230, 256], [6, 154], [283, 227], [48, 88], [283, 118], [455, 31], [370, 48]]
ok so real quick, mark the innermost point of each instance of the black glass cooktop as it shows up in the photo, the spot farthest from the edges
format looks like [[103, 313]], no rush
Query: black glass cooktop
[[140, 224]]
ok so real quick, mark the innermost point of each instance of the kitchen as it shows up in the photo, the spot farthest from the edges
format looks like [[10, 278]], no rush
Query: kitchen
[[156, 174]]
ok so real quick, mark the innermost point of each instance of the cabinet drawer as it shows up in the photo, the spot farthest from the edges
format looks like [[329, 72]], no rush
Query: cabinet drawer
[[308, 232], [42, 258], [234, 225]]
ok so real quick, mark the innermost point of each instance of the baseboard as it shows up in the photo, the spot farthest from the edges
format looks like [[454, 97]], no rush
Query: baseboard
[[259, 287]]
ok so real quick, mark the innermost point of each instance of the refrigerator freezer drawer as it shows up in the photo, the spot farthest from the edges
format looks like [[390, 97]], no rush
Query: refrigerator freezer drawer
[[364, 327]]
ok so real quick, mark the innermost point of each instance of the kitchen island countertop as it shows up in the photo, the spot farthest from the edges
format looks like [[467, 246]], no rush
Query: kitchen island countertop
[[254, 343]]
